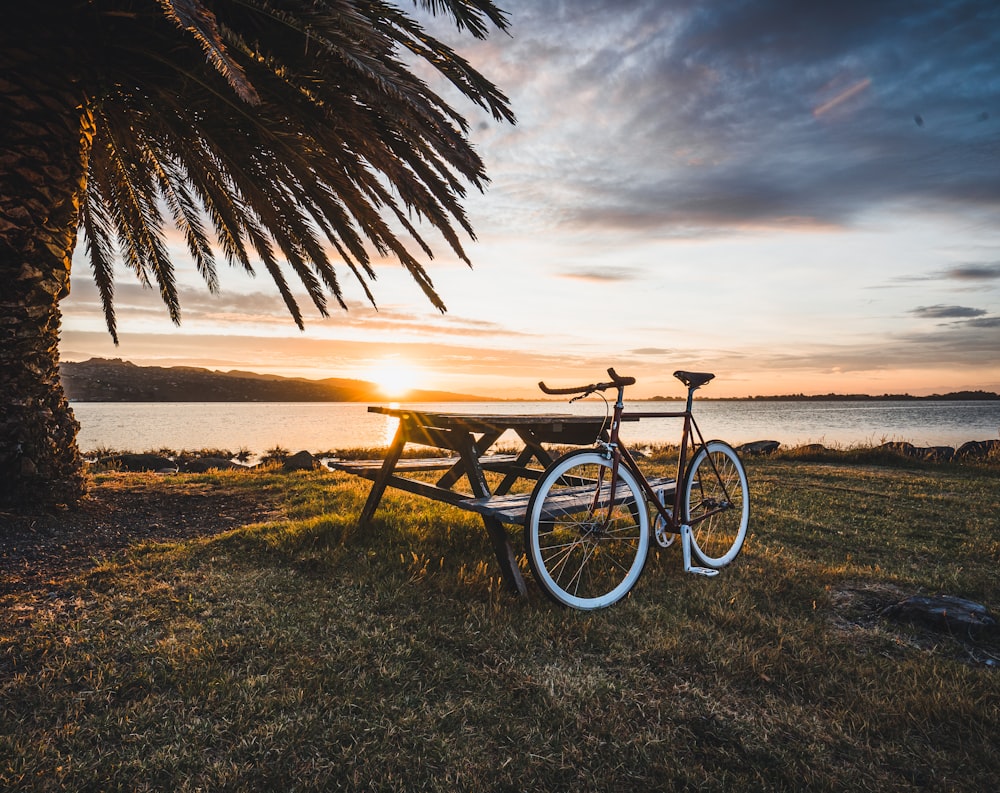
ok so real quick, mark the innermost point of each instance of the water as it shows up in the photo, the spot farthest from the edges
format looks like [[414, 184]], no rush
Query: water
[[324, 426]]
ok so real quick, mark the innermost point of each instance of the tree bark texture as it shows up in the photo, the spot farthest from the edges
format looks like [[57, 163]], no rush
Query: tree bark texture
[[45, 140]]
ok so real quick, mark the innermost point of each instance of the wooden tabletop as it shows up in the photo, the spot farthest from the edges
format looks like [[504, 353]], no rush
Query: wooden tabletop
[[482, 422]]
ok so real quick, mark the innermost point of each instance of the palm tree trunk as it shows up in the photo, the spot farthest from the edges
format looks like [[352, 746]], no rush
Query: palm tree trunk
[[45, 142]]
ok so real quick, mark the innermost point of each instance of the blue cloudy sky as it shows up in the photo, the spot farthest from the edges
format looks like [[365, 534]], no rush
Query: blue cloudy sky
[[800, 197]]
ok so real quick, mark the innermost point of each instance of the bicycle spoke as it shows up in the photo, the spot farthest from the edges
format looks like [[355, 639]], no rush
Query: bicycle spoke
[[588, 553], [560, 560]]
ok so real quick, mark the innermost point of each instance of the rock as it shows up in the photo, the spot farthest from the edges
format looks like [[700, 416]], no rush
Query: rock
[[900, 447], [938, 454], [201, 464], [943, 613], [758, 447], [300, 461], [977, 450], [139, 462], [811, 448]]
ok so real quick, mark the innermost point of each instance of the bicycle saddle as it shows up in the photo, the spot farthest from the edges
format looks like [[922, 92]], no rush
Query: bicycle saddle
[[694, 379]]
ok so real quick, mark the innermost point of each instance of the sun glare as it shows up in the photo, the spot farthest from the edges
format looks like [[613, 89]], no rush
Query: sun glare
[[395, 378]]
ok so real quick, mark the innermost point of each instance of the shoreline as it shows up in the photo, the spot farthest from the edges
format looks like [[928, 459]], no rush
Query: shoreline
[[199, 461]]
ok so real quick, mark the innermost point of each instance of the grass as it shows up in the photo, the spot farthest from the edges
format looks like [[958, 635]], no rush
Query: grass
[[301, 654]]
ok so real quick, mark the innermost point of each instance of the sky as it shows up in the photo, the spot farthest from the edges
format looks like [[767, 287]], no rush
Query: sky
[[801, 197]]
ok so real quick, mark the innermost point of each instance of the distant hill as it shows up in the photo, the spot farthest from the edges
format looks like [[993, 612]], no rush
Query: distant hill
[[115, 380], [950, 396]]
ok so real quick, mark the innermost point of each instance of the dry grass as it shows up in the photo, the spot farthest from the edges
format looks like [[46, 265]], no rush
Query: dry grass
[[301, 654]]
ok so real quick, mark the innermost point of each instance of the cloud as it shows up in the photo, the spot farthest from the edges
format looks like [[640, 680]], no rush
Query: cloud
[[603, 275], [946, 312], [974, 272], [704, 115], [985, 322], [138, 308], [970, 345], [133, 301]]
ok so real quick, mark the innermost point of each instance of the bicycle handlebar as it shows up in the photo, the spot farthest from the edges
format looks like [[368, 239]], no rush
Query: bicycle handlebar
[[617, 381]]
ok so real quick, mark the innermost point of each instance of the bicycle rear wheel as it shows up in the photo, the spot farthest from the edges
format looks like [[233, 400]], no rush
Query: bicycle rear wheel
[[716, 504], [586, 548]]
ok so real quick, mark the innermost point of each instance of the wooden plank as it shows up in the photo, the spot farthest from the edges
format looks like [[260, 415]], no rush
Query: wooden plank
[[507, 509], [514, 508], [364, 467], [424, 435], [487, 422], [427, 490], [491, 462]]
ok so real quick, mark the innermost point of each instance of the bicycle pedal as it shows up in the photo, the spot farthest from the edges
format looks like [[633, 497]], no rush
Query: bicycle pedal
[[705, 571]]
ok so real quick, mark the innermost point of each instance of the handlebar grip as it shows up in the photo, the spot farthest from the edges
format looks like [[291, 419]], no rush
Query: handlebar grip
[[619, 380], [578, 390]]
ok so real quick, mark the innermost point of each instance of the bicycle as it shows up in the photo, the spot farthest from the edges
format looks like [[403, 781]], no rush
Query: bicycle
[[587, 526]]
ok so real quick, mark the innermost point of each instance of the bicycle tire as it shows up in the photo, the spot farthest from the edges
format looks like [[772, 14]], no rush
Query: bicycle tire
[[716, 504], [586, 558]]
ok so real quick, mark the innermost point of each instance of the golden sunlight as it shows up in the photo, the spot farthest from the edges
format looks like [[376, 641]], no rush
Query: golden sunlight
[[394, 378]]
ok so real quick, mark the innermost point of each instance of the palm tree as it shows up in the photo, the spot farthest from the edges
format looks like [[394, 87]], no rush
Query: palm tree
[[267, 132]]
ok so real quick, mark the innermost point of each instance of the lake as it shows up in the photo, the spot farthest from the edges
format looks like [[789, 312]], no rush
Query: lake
[[325, 426]]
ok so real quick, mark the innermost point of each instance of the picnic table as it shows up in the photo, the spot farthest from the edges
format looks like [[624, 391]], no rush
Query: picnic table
[[468, 438]]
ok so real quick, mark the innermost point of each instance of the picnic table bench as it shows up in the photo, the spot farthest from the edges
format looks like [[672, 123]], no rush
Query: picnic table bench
[[469, 438]]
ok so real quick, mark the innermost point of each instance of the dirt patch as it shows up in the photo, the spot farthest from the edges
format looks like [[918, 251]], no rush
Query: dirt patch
[[861, 604], [42, 550]]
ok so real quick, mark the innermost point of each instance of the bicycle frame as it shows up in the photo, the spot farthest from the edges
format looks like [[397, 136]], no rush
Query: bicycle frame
[[620, 455]]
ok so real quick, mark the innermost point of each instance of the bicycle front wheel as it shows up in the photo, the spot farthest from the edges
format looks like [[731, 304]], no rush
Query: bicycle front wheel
[[716, 504], [587, 537]]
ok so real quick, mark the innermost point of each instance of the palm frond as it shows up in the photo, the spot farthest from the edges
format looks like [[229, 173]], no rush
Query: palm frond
[[101, 251], [468, 14], [295, 129], [173, 184], [192, 16], [132, 185]]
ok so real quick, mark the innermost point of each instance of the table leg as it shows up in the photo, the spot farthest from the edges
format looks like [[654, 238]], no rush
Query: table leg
[[506, 558], [457, 471], [392, 456], [509, 570], [508, 481], [532, 444]]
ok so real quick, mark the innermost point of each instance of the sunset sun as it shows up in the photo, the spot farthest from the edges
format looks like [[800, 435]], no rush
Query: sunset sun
[[395, 378]]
